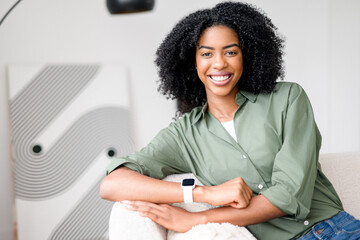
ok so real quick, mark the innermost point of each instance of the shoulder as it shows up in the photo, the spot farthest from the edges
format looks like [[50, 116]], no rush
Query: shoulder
[[182, 125], [286, 87], [188, 119], [289, 90], [284, 95]]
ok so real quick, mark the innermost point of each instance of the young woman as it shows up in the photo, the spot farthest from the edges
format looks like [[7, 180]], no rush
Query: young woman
[[250, 140]]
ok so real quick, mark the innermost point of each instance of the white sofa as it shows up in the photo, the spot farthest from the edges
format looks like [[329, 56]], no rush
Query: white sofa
[[343, 170]]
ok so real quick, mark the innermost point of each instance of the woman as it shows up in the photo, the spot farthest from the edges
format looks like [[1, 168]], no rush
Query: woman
[[252, 141]]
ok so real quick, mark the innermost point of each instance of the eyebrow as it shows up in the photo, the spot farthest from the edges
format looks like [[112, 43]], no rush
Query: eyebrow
[[227, 46]]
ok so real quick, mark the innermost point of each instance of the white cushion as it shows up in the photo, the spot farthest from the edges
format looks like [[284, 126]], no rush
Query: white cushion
[[129, 225], [343, 171]]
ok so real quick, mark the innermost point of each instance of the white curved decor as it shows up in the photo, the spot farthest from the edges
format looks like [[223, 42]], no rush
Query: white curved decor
[[67, 122]]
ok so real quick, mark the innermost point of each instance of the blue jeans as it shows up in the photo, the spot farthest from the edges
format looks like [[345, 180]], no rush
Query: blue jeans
[[340, 227]]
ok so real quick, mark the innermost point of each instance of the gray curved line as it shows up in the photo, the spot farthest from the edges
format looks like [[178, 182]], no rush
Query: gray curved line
[[39, 109], [79, 132], [42, 99], [34, 82], [30, 128], [57, 171], [31, 95], [43, 87], [45, 175], [79, 220]]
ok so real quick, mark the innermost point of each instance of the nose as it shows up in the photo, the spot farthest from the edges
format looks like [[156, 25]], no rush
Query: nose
[[219, 62]]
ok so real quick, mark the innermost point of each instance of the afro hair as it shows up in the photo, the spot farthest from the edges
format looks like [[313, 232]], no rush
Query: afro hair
[[261, 46]]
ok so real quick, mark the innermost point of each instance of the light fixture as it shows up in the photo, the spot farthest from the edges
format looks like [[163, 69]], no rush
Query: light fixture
[[129, 6]]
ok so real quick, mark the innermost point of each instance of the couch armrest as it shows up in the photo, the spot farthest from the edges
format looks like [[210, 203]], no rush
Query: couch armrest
[[343, 171]]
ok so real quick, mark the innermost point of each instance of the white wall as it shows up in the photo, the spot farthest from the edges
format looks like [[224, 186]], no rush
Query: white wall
[[322, 54]]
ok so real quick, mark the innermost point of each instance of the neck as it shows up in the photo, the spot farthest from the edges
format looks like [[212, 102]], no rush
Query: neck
[[223, 108]]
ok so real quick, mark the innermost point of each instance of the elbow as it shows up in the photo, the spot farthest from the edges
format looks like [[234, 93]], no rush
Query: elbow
[[112, 184], [105, 189]]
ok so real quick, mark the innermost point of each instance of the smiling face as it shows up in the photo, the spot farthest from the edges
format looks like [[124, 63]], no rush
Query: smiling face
[[219, 61]]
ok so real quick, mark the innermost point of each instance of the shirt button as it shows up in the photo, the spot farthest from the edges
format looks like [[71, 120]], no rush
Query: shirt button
[[306, 222], [244, 156], [260, 186]]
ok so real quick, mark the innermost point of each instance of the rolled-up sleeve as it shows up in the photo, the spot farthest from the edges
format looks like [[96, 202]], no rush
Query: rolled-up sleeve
[[295, 165], [161, 157]]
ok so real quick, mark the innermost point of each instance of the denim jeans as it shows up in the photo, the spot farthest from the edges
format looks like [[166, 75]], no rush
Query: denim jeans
[[340, 227]]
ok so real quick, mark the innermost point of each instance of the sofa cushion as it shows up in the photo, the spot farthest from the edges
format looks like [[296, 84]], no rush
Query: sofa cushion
[[343, 171]]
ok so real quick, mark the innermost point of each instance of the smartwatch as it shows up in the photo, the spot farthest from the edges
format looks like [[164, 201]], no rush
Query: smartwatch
[[187, 185]]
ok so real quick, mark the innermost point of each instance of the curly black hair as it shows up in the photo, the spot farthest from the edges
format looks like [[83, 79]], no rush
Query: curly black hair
[[261, 45]]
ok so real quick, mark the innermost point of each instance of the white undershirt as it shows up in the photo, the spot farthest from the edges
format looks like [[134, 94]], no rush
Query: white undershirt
[[229, 126]]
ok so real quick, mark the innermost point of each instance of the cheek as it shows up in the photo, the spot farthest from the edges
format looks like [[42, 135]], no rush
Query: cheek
[[238, 65], [202, 66], [201, 74]]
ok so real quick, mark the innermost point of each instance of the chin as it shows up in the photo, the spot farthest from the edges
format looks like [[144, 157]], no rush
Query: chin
[[221, 93]]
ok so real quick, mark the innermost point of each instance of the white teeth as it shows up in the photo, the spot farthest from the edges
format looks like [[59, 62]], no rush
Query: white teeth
[[220, 78]]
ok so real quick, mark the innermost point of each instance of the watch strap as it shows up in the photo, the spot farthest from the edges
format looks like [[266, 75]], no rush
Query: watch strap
[[188, 194]]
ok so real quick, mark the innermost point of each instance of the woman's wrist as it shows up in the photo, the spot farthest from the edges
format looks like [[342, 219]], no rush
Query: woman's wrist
[[200, 218], [200, 193]]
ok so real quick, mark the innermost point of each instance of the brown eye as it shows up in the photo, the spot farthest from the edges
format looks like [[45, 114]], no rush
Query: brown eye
[[206, 54], [231, 53]]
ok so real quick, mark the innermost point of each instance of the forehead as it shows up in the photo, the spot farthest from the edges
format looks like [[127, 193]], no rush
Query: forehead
[[218, 35]]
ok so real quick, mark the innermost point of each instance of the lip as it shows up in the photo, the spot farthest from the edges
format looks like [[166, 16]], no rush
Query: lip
[[220, 83], [220, 73]]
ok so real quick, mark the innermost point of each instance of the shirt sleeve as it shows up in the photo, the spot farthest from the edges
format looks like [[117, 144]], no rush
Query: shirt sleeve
[[161, 157], [295, 165]]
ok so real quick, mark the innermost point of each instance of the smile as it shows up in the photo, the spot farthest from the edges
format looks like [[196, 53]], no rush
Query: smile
[[220, 78]]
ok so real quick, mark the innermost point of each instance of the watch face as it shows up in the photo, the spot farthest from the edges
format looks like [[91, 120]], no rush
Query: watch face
[[188, 182]]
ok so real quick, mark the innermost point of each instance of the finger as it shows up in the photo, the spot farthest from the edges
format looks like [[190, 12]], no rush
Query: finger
[[237, 205], [247, 196], [156, 218], [250, 193], [150, 209], [242, 201], [144, 209], [234, 205], [247, 193], [137, 204]]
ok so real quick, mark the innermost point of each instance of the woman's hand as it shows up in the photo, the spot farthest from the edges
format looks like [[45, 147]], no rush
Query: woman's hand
[[170, 217], [235, 193]]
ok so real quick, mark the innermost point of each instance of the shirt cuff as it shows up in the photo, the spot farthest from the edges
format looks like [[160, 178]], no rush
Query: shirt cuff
[[282, 199], [118, 162]]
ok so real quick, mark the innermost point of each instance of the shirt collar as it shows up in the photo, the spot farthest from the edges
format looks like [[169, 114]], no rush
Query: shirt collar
[[238, 99], [248, 95]]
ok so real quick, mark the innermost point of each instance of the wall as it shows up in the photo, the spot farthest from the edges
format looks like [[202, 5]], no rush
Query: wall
[[322, 54]]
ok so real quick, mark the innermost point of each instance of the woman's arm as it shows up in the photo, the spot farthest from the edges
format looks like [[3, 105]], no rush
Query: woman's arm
[[259, 210], [125, 184]]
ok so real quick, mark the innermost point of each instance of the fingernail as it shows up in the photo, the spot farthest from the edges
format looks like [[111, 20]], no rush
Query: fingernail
[[126, 202]]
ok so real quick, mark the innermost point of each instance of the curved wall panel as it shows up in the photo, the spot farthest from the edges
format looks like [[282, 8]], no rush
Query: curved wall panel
[[67, 122]]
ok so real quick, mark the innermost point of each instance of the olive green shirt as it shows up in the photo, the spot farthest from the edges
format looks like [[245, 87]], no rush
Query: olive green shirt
[[276, 154]]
